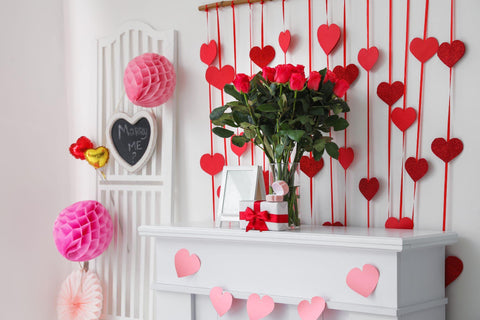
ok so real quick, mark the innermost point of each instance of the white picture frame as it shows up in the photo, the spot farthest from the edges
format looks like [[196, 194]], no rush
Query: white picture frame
[[238, 183]]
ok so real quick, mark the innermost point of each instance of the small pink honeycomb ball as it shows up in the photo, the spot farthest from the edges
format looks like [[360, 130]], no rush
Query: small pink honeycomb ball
[[83, 230], [149, 80]]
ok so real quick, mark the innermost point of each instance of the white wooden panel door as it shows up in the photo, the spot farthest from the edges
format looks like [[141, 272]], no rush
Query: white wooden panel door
[[133, 199]]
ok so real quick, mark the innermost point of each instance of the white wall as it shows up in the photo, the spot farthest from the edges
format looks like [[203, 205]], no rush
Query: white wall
[[32, 69], [34, 177]]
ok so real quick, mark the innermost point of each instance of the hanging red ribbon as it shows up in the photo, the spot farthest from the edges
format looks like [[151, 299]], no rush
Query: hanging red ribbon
[[310, 36], [220, 67], [252, 147]]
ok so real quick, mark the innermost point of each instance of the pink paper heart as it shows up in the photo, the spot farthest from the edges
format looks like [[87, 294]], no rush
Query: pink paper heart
[[311, 311], [328, 37], [363, 281], [257, 307], [186, 264], [284, 40], [221, 301]]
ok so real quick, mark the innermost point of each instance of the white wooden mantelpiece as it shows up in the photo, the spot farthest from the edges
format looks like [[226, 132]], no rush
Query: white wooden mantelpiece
[[291, 266]]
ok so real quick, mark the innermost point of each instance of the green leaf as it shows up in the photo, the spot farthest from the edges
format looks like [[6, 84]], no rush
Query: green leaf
[[317, 111], [239, 141], [230, 89], [240, 117], [319, 144], [218, 112], [340, 124], [268, 107], [249, 133], [295, 135], [317, 155], [332, 150], [267, 130], [222, 132]]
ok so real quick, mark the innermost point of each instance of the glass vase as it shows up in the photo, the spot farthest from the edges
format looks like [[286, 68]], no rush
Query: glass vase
[[289, 173]]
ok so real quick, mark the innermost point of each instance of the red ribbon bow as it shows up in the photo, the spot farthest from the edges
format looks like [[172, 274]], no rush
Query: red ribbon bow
[[256, 218]]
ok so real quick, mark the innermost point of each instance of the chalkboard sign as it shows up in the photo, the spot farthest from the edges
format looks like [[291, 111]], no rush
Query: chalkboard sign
[[132, 139]]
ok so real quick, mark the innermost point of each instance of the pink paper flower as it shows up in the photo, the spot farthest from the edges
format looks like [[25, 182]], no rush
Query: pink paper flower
[[80, 297], [242, 83]]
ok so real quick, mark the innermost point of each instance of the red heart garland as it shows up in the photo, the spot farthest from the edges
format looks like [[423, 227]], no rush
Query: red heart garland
[[328, 37], [220, 77], [394, 223], [453, 268], [284, 40], [310, 166], [349, 73], [403, 118], [238, 150], [368, 187], [451, 53], [345, 157], [423, 49], [416, 169], [335, 224], [212, 164], [208, 52], [447, 151], [368, 57], [390, 93], [262, 57], [78, 148]]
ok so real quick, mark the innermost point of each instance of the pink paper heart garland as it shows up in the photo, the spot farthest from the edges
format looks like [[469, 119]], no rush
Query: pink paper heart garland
[[221, 301], [311, 311], [186, 264], [363, 281], [258, 308]]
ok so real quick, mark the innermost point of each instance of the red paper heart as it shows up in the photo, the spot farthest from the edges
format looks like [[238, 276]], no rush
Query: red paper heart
[[349, 73], [345, 157], [403, 118], [416, 169], [220, 77], [238, 150], [218, 191], [78, 148], [328, 37], [284, 40], [368, 57], [208, 52], [335, 224], [262, 57], [390, 93], [451, 53], [423, 49], [369, 187], [212, 164], [447, 151], [394, 223], [310, 166], [453, 268]]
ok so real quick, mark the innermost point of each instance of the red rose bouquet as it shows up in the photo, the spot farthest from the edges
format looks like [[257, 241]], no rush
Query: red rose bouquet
[[285, 114]]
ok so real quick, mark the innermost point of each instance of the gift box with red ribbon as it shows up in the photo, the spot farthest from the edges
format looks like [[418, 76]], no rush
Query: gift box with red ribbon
[[263, 215]]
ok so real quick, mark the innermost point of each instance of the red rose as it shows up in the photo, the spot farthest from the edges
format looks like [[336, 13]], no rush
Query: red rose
[[314, 80], [268, 74], [242, 83], [297, 81], [299, 69], [283, 73], [341, 88], [330, 76]]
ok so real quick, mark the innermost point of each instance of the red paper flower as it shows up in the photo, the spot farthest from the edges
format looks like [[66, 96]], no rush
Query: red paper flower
[[242, 83]]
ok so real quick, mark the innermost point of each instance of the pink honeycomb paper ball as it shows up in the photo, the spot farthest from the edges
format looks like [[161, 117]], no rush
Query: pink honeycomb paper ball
[[83, 230], [149, 80]]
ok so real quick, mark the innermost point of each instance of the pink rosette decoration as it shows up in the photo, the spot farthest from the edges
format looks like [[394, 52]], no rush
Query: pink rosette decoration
[[83, 231], [80, 297], [149, 80]]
